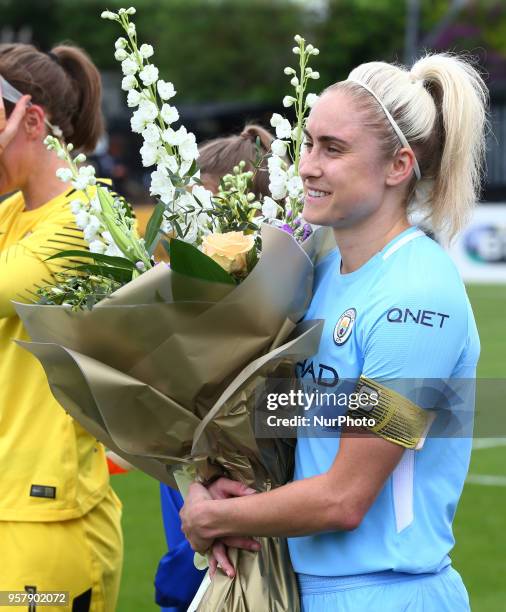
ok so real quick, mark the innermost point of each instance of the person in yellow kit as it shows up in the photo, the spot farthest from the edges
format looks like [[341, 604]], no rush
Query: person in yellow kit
[[59, 518]]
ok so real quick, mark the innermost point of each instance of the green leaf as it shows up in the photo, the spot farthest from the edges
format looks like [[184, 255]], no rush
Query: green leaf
[[118, 262], [121, 275], [154, 224], [187, 259]]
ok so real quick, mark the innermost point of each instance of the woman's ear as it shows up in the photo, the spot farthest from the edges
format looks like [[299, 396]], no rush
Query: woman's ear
[[33, 122], [401, 168]]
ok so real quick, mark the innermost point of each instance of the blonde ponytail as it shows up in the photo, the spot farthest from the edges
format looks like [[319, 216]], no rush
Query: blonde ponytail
[[440, 107], [461, 98]]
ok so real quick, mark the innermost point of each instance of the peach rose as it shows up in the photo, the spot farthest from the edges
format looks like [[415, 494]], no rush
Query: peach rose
[[229, 250]]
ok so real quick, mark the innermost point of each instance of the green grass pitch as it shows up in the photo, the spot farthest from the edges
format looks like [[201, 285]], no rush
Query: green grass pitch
[[480, 525]]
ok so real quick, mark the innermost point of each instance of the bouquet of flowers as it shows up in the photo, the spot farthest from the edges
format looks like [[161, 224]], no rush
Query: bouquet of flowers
[[163, 363]]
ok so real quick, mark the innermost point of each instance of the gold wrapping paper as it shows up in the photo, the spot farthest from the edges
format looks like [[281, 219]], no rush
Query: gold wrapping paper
[[164, 373]]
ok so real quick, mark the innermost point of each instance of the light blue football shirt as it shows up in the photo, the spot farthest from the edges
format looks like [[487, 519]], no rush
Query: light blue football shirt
[[403, 315]]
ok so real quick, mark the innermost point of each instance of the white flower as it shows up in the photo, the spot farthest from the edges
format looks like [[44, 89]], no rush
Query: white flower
[[311, 99], [172, 137], [278, 190], [185, 166], [113, 250], [165, 90], [203, 195], [120, 55], [278, 147], [97, 246], [282, 126], [138, 122], [188, 148], [314, 74], [162, 186], [121, 43], [269, 208], [149, 109], [298, 38], [79, 159], [149, 154], [146, 51], [76, 206], [289, 70], [275, 164], [165, 160], [315, 51], [129, 82], [296, 50], [80, 183], [294, 81], [294, 186], [149, 75], [107, 237], [186, 201], [108, 15], [129, 66], [288, 101], [276, 119], [146, 113], [169, 113], [309, 48], [131, 30], [82, 219], [151, 134], [133, 98], [95, 204], [85, 178], [64, 174], [92, 229]]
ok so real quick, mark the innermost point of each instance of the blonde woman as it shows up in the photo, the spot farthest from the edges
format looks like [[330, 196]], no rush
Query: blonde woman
[[369, 521]]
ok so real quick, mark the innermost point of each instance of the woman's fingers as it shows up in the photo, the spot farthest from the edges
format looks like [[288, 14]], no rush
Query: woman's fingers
[[242, 542], [224, 488], [213, 565], [219, 553], [9, 127], [3, 119]]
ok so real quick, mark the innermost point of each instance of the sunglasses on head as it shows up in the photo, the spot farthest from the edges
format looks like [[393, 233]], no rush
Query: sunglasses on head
[[11, 94]]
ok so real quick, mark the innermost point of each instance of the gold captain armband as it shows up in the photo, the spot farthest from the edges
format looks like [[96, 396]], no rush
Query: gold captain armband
[[396, 418]]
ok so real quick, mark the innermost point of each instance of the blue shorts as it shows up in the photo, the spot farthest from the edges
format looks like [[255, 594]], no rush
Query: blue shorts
[[385, 591]]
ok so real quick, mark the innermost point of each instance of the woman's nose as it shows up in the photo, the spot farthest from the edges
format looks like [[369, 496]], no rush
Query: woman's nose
[[309, 165]]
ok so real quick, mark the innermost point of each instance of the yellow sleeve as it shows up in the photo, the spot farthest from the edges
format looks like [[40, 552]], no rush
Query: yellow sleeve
[[23, 265]]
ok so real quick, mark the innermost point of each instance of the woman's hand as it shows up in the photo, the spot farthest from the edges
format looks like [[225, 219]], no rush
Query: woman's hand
[[193, 523], [224, 488], [9, 127], [192, 514]]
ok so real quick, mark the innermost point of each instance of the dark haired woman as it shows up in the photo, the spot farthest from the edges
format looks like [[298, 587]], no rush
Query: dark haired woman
[[177, 579], [59, 518]]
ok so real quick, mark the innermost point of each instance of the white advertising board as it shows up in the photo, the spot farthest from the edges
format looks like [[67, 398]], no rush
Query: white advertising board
[[480, 250]]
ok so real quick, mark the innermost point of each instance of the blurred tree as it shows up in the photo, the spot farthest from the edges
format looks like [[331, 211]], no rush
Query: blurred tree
[[237, 49]]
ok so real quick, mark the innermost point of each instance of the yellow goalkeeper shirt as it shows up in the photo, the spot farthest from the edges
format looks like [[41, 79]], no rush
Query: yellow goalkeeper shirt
[[52, 469]]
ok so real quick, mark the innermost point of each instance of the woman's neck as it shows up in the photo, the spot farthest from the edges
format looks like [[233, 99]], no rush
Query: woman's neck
[[358, 244], [43, 185]]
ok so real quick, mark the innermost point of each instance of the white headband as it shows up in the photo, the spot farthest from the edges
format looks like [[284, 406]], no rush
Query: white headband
[[393, 123]]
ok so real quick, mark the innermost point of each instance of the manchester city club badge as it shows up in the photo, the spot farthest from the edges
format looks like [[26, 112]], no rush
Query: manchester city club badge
[[344, 326]]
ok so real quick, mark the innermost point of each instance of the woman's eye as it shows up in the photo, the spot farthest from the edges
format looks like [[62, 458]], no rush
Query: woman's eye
[[307, 145]]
